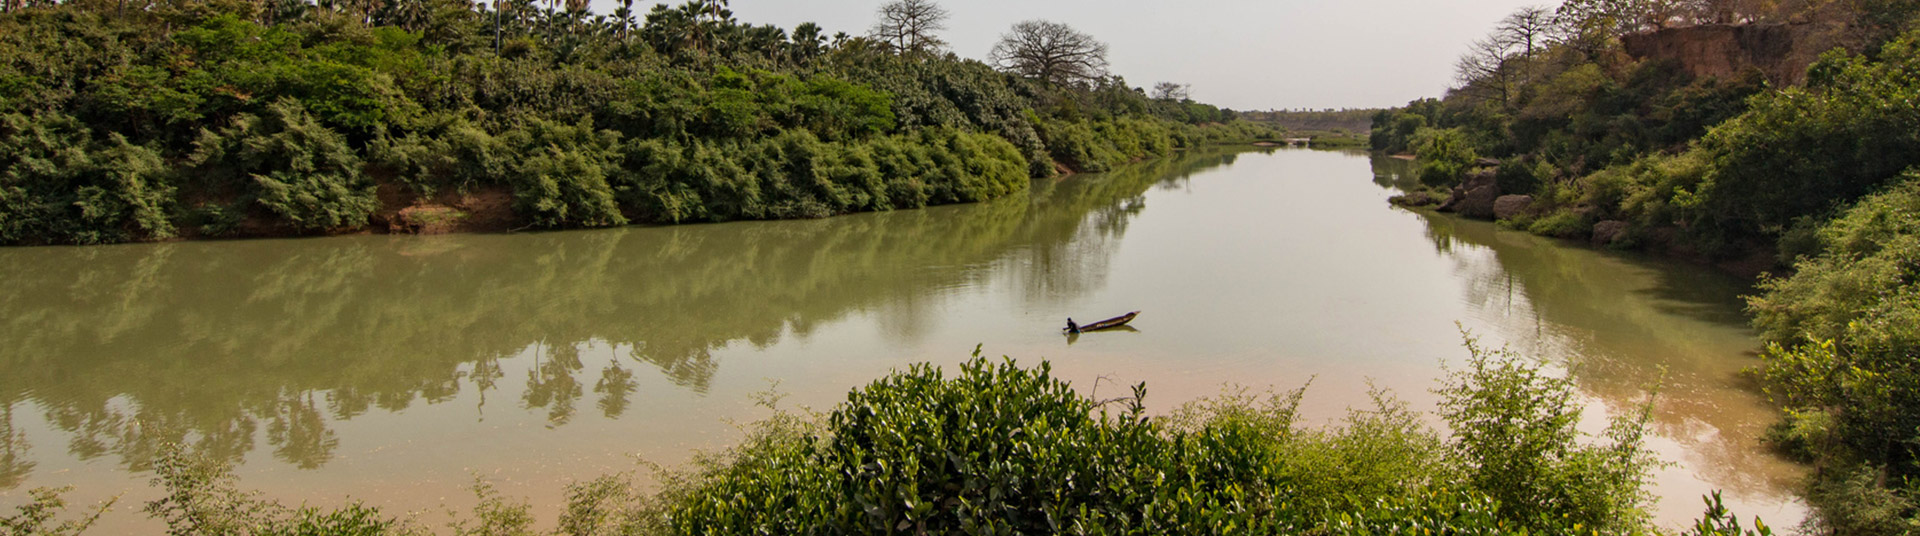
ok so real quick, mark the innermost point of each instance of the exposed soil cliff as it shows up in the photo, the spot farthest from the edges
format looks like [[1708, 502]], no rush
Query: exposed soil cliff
[[1781, 51]]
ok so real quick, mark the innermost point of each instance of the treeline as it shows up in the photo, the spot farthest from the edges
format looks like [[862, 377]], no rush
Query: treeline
[[1355, 120], [125, 121], [995, 448], [1817, 181]]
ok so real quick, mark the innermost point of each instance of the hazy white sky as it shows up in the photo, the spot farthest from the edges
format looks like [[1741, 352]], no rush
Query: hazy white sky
[[1243, 54]]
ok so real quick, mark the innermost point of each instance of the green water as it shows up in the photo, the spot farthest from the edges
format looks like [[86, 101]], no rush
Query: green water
[[396, 370]]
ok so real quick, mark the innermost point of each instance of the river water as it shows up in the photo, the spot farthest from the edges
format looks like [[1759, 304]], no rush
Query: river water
[[397, 370]]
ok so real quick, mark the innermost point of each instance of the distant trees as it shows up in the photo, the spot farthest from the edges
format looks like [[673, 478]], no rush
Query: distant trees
[[1619, 17], [1499, 63], [1051, 52], [909, 26], [1171, 91]]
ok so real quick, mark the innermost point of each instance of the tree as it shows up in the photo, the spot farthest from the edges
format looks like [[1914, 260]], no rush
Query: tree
[[1170, 91], [1503, 61], [1528, 29], [908, 26], [1620, 17], [1051, 52], [1486, 71]]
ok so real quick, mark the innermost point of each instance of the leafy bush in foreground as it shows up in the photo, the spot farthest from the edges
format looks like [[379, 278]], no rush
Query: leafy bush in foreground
[[1000, 449], [1003, 449]]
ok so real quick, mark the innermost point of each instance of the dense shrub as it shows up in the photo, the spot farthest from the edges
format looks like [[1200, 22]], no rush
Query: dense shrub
[[1101, 145], [561, 178], [1846, 328], [588, 121], [1516, 176], [457, 155], [1517, 429], [1444, 158], [1002, 449], [59, 184], [286, 162], [1805, 151]]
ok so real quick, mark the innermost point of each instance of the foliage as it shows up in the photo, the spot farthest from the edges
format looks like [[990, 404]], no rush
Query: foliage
[[1560, 224], [1517, 429], [289, 164], [1444, 158], [202, 499], [1718, 521], [1103, 145], [58, 183], [1846, 329], [224, 118], [795, 175], [1849, 132], [37, 517], [999, 448]]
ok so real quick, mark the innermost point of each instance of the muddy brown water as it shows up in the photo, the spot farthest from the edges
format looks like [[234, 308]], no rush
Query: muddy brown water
[[396, 370]]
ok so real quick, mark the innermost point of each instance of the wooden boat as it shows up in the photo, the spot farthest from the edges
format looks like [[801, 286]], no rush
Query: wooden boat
[[1110, 323]]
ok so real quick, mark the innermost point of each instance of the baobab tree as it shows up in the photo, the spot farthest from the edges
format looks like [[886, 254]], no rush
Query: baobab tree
[[1051, 52], [1169, 91], [910, 26]]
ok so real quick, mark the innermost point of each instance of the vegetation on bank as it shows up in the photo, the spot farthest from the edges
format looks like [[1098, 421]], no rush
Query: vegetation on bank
[[1001, 449], [1329, 129], [1824, 175], [124, 122]]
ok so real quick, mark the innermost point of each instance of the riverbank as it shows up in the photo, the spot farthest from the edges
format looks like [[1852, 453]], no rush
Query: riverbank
[[552, 357], [404, 210], [1480, 197], [377, 124]]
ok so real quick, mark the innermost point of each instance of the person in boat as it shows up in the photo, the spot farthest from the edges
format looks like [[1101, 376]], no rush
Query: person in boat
[[1072, 327]]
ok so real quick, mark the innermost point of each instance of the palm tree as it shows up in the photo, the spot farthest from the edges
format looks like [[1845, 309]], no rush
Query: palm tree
[[624, 19]]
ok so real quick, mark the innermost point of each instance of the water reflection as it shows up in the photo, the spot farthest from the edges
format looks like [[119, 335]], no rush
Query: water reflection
[[1622, 324], [209, 344]]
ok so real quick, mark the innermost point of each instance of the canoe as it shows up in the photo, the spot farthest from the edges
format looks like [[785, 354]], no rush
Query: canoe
[[1110, 323]]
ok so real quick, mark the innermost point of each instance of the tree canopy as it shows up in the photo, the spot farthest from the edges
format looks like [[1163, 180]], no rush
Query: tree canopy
[[1052, 53], [191, 118]]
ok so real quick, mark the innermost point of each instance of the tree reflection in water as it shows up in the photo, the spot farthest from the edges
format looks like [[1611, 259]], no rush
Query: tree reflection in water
[[1626, 323], [208, 343]]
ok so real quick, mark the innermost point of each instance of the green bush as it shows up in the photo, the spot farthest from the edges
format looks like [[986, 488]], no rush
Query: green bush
[[59, 184], [1561, 223], [284, 161], [1806, 151], [796, 175], [38, 516], [1444, 158], [1846, 328], [457, 155], [1516, 176], [202, 498], [1518, 428], [1003, 449], [561, 178]]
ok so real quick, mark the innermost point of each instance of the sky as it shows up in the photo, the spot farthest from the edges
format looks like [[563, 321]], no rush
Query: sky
[[1241, 54]]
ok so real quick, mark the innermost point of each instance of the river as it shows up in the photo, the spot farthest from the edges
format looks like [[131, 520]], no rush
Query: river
[[398, 369]]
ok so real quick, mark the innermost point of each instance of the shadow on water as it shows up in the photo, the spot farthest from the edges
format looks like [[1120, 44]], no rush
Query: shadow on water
[[208, 343]]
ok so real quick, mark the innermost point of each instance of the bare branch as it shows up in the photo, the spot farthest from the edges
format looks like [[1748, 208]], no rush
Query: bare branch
[[1051, 52], [910, 26]]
